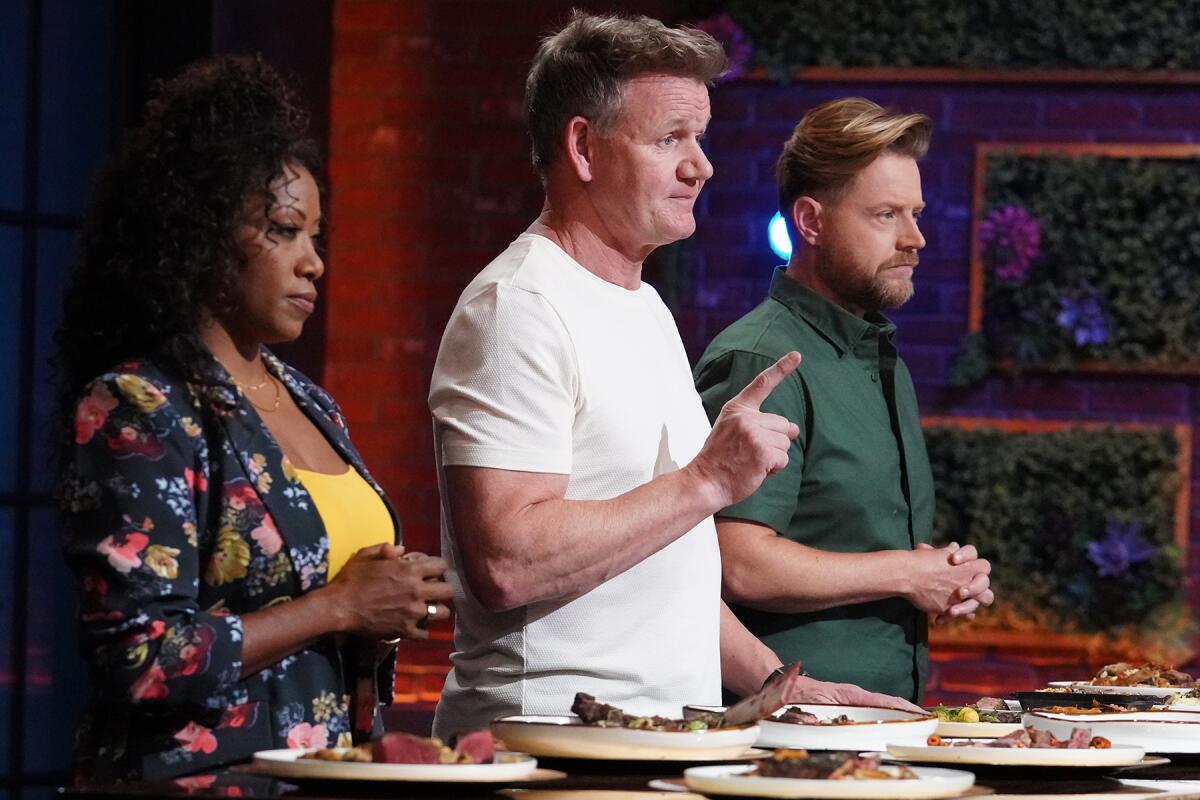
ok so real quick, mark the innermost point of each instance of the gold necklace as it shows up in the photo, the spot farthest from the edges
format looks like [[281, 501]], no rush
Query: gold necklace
[[278, 395]]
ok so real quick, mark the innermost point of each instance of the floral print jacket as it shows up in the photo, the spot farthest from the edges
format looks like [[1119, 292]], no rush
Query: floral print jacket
[[182, 513]]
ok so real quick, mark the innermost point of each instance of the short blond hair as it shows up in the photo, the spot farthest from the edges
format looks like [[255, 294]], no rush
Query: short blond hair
[[582, 69], [836, 140]]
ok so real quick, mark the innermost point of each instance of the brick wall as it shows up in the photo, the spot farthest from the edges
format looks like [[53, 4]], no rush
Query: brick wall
[[429, 180]]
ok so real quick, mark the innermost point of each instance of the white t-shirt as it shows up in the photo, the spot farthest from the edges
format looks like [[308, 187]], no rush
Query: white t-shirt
[[545, 367]]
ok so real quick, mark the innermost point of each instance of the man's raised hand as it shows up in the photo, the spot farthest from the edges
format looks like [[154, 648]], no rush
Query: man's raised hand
[[746, 445]]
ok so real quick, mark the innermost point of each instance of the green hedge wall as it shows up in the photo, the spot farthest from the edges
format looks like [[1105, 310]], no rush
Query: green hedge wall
[[1038, 504], [1116, 274], [992, 34]]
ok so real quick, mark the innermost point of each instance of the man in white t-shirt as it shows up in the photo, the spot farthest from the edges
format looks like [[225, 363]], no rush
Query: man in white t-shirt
[[577, 469]]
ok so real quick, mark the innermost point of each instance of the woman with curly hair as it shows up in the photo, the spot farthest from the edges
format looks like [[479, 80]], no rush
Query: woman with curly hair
[[238, 567]]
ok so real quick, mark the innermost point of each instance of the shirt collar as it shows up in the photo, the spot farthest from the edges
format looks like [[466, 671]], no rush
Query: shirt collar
[[847, 332]]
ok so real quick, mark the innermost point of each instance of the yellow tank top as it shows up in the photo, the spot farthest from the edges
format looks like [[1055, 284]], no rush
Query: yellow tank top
[[354, 515]]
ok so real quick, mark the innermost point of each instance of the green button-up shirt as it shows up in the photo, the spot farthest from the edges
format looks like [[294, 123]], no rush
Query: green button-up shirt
[[857, 479]]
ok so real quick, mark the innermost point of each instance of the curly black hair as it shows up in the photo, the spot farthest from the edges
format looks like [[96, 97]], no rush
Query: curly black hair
[[158, 249]]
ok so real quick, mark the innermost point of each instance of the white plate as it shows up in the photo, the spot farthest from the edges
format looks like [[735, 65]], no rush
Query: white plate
[[1152, 691], [1117, 756], [732, 780], [976, 730], [567, 737], [1156, 731], [872, 728], [288, 764]]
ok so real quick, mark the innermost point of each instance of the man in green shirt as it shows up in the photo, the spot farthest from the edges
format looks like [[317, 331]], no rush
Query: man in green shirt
[[829, 562]]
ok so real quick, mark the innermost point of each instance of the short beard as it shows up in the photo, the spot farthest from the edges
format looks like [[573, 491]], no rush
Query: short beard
[[872, 292]]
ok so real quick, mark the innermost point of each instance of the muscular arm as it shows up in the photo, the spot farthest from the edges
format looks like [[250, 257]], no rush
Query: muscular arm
[[763, 570], [522, 541]]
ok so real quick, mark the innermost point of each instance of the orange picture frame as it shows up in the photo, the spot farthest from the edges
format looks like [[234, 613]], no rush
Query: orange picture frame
[[1109, 150], [961, 640]]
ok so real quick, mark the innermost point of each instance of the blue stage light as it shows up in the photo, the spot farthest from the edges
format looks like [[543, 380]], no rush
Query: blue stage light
[[778, 236]]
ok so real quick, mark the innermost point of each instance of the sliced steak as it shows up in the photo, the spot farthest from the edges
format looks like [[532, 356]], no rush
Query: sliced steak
[[798, 717], [1015, 739], [404, 748], [476, 747], [1081, 738], [1042, 738]]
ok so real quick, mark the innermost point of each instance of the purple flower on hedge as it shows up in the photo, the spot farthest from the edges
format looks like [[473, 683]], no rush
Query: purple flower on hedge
[[725, 30], [1121, 548], [1013, 240], [1084, 317]]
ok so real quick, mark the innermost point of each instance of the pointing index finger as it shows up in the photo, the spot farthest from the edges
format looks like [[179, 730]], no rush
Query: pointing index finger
[[761, 387]]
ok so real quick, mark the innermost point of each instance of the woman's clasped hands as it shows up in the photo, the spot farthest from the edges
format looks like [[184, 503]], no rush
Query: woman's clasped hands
[[386, 593]]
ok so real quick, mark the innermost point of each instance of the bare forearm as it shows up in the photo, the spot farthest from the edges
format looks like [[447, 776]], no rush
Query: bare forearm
[[556, 548], [765, 571], [272, 634], [745, 661], [522, 541]]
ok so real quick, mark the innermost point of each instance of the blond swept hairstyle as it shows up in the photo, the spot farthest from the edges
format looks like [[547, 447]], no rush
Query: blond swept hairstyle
[[834, 141], [582, 69]]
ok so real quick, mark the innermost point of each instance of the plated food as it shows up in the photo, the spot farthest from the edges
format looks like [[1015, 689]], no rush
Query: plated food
[[798, 774], [1094, 709], [1075, 739], [1088, 695], [601, 731], [1147, 674], [1161, 731], [797, 716], [1149, 678], [295, 764], [1040, 750], [602, 715], [1147, 694], [402, 757], [815, 726], [830, 765], [988, 717], [476, 747], [985, 709], [568, 737]]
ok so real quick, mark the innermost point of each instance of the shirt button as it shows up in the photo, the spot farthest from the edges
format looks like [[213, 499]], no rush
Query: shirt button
[[874, 377]]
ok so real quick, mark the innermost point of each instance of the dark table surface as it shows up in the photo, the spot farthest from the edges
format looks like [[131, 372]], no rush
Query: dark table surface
[[599, 780]]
